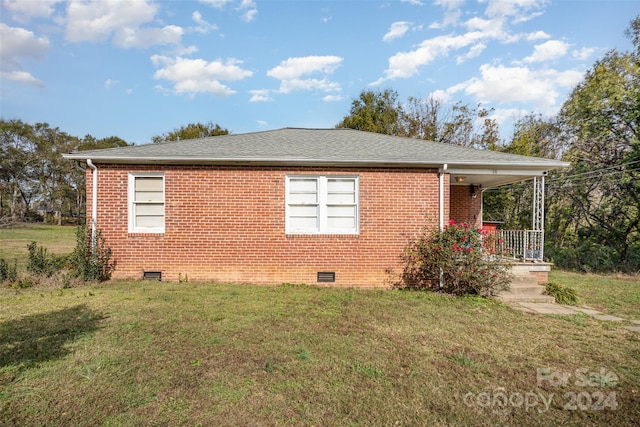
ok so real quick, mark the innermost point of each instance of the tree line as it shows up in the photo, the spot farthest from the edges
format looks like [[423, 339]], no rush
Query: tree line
[[593, 208], [38, 184]]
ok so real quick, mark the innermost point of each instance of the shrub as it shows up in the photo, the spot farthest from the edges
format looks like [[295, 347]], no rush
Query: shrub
[[562, 294], [8, 272], [91, 261], [41, 262], [453, 262]]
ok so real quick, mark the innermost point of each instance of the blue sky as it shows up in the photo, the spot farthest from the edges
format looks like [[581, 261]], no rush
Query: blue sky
[[139, 68]]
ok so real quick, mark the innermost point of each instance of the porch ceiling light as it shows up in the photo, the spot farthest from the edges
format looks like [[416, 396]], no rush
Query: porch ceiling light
[[459, 178]]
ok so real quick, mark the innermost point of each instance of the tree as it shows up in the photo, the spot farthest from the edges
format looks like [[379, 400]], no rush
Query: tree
[[427, 119], [377, 112], [535, 136], [191, 131], [600, 124], [17, 160], [33, 173], [633, 33]]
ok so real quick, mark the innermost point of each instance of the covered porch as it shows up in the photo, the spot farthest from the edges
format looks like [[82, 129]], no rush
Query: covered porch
[[524, 249]]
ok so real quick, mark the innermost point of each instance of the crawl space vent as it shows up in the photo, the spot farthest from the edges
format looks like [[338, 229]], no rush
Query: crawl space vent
[[152, 275], [326, 276]]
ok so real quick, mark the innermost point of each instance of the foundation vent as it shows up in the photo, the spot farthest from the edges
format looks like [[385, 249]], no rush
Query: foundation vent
[[152, 275], [326, 276]]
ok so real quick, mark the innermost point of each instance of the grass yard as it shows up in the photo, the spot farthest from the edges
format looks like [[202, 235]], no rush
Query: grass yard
[[616, 295], [13, 241], [156, 353], [153, 353]]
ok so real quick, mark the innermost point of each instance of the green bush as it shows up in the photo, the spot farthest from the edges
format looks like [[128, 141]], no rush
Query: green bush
[[562, 294], [454, 262], [8, 272], [91, 261], [41, 262]]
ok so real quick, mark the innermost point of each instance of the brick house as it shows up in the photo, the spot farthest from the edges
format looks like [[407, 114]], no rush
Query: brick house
[[288, 205]]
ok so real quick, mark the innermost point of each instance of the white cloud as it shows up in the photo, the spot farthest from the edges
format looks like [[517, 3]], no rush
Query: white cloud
[[440, 95], [262, 123], [109, 83], [413, 2], [332, 98], [120, 20], [582, 54], [21, 77], [493, 26], [249, 10], [547, 51], [146, 37], [406, 64], [260, 95], [18, 44], [191, 76], [481, 24], [504, 115], [474, 52], [397, 30], [294, 85], [203, 26], [518, 84], [452, 13], [518, 9], [23, 11], [537, 35], [291, 71], [219, 4]]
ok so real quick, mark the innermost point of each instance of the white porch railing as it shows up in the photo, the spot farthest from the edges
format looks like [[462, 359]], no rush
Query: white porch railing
[[526, 245]]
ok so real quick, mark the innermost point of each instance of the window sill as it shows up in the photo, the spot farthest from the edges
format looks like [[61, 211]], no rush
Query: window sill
[[139, 234], [321, 236]]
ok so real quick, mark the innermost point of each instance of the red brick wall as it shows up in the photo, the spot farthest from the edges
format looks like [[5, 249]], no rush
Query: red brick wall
[[227, 224], [464, 207]]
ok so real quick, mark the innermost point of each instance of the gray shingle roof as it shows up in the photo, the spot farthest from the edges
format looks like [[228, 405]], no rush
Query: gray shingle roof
[[295, 146]]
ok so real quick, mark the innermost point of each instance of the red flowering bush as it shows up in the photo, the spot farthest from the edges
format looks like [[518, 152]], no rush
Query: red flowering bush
[[454, 262]]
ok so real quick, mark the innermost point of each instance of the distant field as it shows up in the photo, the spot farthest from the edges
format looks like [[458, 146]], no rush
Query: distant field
[[59, 240]]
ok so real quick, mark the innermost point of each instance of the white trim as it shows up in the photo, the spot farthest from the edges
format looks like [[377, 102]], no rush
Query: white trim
[[322, 205], [131, 203], [94, 201], [441, 173]]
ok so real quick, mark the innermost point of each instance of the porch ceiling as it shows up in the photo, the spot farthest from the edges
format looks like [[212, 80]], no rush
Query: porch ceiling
[[491, 178]]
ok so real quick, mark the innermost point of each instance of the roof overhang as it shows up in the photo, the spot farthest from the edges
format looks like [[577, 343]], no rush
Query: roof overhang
[[482, 175], [331, 148]]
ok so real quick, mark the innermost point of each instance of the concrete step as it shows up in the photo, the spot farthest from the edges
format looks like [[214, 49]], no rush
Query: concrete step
[[525, 288], [524, 279]]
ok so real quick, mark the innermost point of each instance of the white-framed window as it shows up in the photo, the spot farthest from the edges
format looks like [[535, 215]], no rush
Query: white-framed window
[[322, 204], [146, 203]]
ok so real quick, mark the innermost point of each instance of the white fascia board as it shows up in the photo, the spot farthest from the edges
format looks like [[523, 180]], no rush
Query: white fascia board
[[513, 172]]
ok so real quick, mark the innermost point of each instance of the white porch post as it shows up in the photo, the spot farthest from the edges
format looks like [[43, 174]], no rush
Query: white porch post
[[537, 222], [441, 172]]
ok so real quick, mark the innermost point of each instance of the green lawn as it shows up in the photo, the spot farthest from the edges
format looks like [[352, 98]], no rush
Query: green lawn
[[13, 241], [616, 295], [150, 353], [156, 353]]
